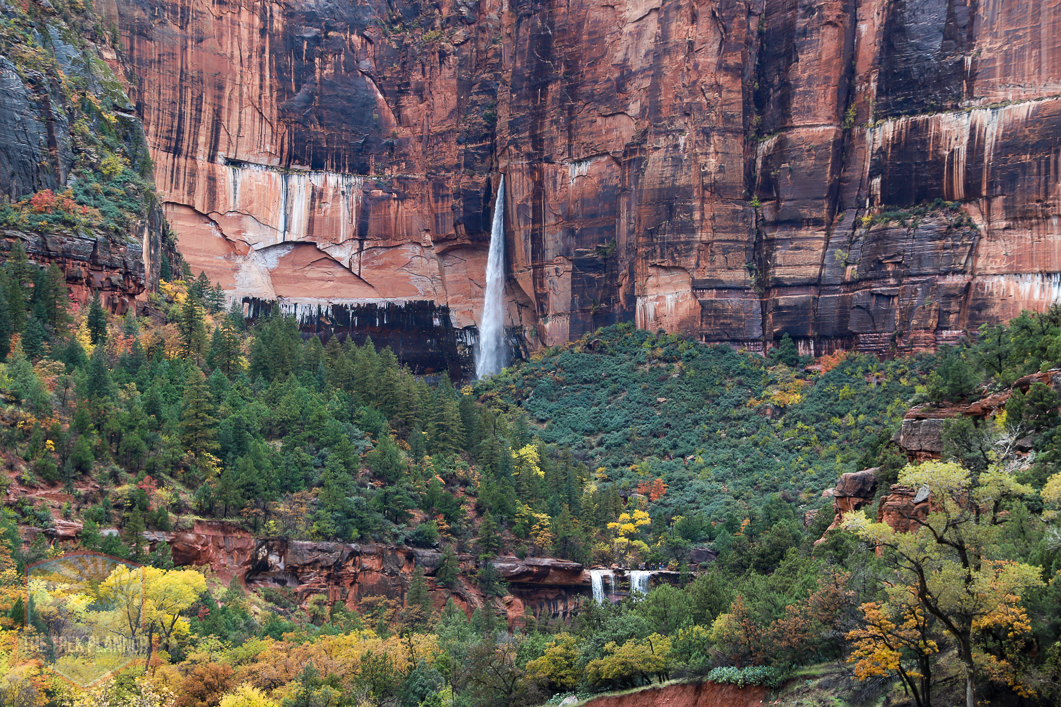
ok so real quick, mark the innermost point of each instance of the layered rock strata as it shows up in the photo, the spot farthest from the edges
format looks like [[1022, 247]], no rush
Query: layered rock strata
[[347, 573], [117, 270], [878, 175], [921, 433]]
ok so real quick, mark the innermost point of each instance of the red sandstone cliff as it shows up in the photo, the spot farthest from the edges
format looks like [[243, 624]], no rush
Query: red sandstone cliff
[[707, 694], [732, 168]]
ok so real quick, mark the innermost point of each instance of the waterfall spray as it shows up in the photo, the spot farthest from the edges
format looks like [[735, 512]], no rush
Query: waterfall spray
[[491, 355]]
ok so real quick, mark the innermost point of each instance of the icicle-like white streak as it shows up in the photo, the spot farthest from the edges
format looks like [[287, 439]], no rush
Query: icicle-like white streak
[[490, 358]]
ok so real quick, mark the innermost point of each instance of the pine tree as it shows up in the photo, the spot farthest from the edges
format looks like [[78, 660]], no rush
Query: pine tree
[[489, 541], [19, 285], [334, 362], [97, 320], [192, 329], [389, 385], [470, 421], [6, 328], [99, 386], [198, 427], [385, 461], [366, 373], [134, 532], [82, 457], [448, 571], [215, 299], [199, 288], [418, 600], [225, 349], [51, 298], [33, 338]]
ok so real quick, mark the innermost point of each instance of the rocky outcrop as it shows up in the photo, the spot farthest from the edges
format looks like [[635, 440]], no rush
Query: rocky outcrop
[[853, 492], [921, 432], [94, 263], [869, 175], [904, 508], [347, 573]]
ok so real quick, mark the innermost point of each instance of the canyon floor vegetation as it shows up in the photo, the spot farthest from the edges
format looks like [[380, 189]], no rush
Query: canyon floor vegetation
[[625, 448]]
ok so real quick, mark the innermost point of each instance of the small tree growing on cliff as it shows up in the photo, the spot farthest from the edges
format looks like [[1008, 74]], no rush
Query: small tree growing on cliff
[[952, 563], [417, 601], [97, 320], [448, 570]]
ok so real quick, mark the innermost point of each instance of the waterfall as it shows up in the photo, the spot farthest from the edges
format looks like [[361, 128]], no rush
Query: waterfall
[[490, 358], [639, 582], [596, 580]]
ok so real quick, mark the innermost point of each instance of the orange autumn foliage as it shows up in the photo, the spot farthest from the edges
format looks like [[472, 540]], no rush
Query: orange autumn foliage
[[654, 489]]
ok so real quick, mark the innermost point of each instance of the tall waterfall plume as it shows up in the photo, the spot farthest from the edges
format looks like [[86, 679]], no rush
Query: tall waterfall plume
[[491, 355]]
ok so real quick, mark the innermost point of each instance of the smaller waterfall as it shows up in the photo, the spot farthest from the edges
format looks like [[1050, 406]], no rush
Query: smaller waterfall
[[490, 358], [596, 580], [639, 583]]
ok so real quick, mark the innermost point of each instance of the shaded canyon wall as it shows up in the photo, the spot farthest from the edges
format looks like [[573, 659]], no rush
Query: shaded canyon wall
[[858, 173]]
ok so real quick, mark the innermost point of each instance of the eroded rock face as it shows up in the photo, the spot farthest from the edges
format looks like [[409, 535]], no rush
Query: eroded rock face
[[853, 492], [706, 694], [94, 263], [347, 573], [904, 508], [735, 169]]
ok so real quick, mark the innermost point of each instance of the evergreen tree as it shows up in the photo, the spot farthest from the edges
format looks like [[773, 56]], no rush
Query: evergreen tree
[[73, 355], [366, 373], [449, 570], [225, 349], [51, 298], [19, 285], [199, 287], [447, 432], [215, 299], [192, 329], [198, 433], [33, 338], [389, 384], [385, 461], [6, 328], [471, 422], [786, 351], [332, 520], [82, 457], [97, 320], [134, 533], [99, 387], [489, 540], [418, 601]]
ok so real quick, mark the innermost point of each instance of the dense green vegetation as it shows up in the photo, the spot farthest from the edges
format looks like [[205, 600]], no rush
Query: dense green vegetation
[[723, 429], [624, 447]]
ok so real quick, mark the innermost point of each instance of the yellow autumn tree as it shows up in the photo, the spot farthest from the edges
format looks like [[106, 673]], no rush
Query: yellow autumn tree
[[527, 470], [246, 695], [894, 639], [628, 664], [167, 593], [559, 663], [952, 561]]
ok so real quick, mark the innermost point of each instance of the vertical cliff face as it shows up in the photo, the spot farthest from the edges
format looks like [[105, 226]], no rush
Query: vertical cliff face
[[75, 185], [863, 173]]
